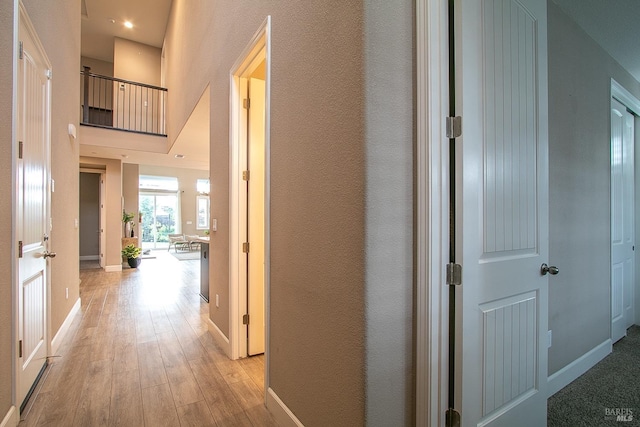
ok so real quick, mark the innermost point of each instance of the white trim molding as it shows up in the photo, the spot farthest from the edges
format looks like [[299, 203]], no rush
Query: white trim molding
[[432, 240], [62, 332], [627, 98], [280, 411], [220, 338], [253, 54], [573, 370], [112, 268], [11, 419]]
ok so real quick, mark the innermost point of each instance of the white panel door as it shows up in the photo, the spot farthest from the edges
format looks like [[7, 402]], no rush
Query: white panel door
[[622, 218], [256, 215], [33, 209], [502, 219]]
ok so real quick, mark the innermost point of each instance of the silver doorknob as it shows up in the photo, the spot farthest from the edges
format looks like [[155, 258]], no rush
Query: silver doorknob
[[47, 254], [553, 270]]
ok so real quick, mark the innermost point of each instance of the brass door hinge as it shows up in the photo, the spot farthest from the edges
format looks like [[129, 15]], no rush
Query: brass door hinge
[[245, 247], [20, 50], [454, 127], [246, 103], [245, 319], [245, 175], [20, 348], [20, 249], [454, 274], [452, 418], [20, 149]]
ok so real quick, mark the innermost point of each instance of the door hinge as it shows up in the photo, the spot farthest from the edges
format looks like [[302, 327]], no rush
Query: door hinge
[[20, 149], [245, 247], [245, 319], [20, 348], [49, 74], [454, 127], [245, 175], [454, 274], [20, 50], [19, 248], [452, 418], [246, 103]]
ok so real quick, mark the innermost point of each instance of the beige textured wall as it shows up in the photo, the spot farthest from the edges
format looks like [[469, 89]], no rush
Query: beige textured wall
[[58, 26], [187, 179], [113, 205], [322, 143], [389, 119], [103, 68], [580, 75], [136, 62], [317, 176], [6, 210]]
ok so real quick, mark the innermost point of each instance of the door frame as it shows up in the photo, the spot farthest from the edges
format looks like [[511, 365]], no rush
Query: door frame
[[102, 215], [432, 211], [257, 49], [22, 22], [632, 103]]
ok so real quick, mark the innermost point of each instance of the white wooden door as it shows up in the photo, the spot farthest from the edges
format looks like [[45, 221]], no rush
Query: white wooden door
[[33, 207], [622, 219], [502, 237], [256, 216]]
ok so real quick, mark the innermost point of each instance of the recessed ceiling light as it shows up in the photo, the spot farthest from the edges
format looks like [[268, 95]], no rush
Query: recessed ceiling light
[[179, 156], [113, 21], [125, 156], [128, 24]]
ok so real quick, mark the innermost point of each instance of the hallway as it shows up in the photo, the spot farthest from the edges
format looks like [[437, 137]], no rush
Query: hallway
[[139, 353]]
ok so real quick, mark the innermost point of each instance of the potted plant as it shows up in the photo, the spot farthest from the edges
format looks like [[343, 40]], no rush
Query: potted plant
[[127, 219], [131, 253]]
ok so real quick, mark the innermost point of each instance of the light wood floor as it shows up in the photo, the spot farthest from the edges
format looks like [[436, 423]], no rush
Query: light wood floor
[[139, 354]]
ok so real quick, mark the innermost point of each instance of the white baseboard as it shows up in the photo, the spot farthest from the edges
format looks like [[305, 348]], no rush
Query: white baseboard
[[280, 412], [89, 257], [572, 371], [220, 338], [62, 332], [112, 268], [11, 419]]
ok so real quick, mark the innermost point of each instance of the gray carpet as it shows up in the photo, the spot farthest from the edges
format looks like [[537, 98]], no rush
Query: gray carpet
[[610, 388]]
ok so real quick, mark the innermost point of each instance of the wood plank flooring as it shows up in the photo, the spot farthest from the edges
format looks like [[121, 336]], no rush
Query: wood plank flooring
[[138, 353]]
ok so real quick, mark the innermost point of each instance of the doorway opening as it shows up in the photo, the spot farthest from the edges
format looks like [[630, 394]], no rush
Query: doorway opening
[[91, 219], [249, 193], [624, 113]]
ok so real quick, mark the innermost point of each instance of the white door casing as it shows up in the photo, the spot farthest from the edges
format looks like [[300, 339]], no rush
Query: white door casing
[[33, 207], [257, 51], [255, 217], [502, 219], [622, 219]]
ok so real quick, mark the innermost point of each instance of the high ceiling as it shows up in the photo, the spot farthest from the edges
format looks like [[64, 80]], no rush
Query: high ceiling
[[614, 25], [102, 20]]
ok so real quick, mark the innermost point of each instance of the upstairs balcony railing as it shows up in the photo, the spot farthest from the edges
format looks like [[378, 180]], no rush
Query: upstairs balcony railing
[[121, 104]]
